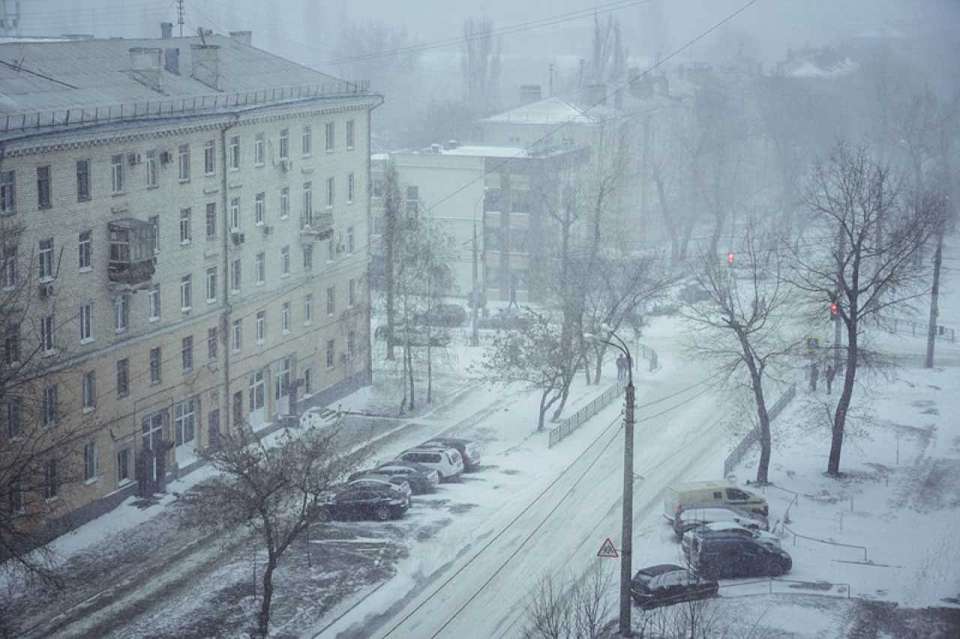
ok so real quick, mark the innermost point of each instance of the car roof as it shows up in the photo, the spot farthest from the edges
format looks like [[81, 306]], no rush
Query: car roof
[[401, 463], [659, 569], [716, 511]]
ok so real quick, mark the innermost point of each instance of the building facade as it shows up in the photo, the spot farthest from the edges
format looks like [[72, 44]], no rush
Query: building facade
[[196, 245]]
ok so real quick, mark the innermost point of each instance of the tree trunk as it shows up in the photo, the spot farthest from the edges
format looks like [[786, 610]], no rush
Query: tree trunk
[[263, 618], [408, 353], [599, 352], [840, 416], [388, 264], [545, 406], [934, 300], [429, 367]]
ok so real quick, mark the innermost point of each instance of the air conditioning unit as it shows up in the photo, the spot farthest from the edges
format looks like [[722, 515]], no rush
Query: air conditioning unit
[[165, 157], [134, 159], [267, 230], [45, 291], [237, 238]]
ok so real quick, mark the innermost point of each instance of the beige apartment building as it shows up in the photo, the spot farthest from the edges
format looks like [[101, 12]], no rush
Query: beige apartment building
[[194, 222]]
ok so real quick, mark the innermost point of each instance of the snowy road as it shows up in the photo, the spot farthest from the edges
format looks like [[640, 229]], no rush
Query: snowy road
[[483, 592]]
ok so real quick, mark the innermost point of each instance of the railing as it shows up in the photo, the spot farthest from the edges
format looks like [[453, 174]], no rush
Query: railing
[[572, 423], [902, 326], [824, 587], [97, 114], [827, 542], [754, 435]]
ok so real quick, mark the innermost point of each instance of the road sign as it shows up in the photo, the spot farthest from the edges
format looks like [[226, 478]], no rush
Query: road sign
[[608, 550]]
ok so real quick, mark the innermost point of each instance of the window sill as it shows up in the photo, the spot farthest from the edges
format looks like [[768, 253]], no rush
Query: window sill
[[209, 175], [183, 180], [85, 269], [285, 331], [153, 319], [152, 187], [87, 340], [46, 279], [117, 194], [120, 331], [260, 165], [92, 480], [123, 395], [260, 283], [88, 409], [126, 481], [211, 301], [308, 323], [350, 148], [186, 309], [185, 242], [284, 275], [156, 382], [187, 371], [307, 156], [51, 499]]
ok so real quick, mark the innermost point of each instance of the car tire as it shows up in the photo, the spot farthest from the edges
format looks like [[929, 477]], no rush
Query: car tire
[[774, 568], [382, 513]]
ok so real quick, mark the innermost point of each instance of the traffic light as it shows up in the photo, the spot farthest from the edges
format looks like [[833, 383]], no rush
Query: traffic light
[[730, 258], [834, 309]]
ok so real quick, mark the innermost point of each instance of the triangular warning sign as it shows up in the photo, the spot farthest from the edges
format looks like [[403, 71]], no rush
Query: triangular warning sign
[[608, 549]]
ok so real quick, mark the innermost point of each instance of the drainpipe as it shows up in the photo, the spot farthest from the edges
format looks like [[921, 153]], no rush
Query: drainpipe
[[227, 416], [369, 375]]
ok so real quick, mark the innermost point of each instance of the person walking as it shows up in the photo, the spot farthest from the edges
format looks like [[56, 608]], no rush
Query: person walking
[[831, 372], [814, 375]]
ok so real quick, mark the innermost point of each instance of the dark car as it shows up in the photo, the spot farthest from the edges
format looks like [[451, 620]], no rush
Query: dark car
[[696, 517], [720, 556], [367, 502], [668, 584], [420, 478], [468, 449], [376, 480]]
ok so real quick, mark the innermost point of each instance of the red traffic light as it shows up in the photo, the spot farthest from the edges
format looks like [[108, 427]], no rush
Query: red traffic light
[[834, 309], [730, 258]]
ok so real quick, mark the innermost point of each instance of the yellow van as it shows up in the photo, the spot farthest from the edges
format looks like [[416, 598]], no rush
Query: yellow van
[[705, 494]]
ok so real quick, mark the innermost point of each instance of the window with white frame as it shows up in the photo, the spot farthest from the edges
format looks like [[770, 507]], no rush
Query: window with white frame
[[121, 308], [8, 192], [308, 308], [213, 343], [8, 270], [43, 187], [234, 153], [285, 317], [90, 461], [235, 214], [12, 417], [185, 231], [11, 343], [46, 333], [260, 208], [153, 173], [123, 466], [186, 293], [89, 390], [307, 381], [51, 479], [306, 140], [211, 221], [261, 268], [156, 366], [85, 250], [307, 204], [285, 261], [236, 339], [351, 187], [351, 245], [83, 180], [45, 260], [331, 185], [86, 323], [331, 300], [123, 377], [183, 164], [209, 158], [154, 221], [211, 285], [186, 353], [284, 203], [285, 144], [307, 257], [48, 405], [258, 150], [331, 353], [116, 173], [236, 269], [329, 132], [185, 421], [261, 326], [153, 303], [350, 134]]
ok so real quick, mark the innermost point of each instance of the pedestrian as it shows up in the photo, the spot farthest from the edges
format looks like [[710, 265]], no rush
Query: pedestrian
[[831, 372], [814, 374]]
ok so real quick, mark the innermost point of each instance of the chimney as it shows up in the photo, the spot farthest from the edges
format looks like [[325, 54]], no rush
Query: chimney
[[166, 30], [145, 67], [205, 64], [530, 93], [171, 60], [243, 37]]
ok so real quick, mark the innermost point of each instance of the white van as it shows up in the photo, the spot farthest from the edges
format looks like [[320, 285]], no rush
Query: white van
[[446, 461], [705, 494]]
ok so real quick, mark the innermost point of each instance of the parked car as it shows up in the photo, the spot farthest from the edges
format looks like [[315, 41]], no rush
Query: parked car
[[375, 480], [448, 315], [380, 502], [694, 517], [725, 528], [703, 494], [668, 584], [446, 461], [469, 450], [725, 555], [421, 479]]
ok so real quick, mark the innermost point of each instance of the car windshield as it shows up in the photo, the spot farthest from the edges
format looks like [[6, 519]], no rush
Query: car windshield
[[671, 579]]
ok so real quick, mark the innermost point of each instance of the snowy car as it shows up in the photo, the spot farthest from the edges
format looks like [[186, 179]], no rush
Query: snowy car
[[373, 480], [695, 517], [446, 461], [421, 479], [668, 584], [469, 450], [381, 502], [727, 527]]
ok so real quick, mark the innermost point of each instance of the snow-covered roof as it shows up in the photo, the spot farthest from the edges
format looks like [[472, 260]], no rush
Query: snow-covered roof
[[807, 69], [488, 151], [552, 110]]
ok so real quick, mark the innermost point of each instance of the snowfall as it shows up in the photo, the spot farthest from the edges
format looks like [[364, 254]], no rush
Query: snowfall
[[875, 554]]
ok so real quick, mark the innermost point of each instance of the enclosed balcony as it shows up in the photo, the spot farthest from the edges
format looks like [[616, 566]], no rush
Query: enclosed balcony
[[132, 243], [317, 226]]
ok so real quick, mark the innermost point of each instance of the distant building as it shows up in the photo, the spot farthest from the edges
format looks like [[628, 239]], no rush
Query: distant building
[[195, 218]]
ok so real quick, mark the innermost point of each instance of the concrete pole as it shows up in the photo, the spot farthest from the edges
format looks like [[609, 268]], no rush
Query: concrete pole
[[626, 555], [474, 332]]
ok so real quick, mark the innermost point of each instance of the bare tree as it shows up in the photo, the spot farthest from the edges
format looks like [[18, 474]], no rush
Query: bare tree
[[275, 491], [860, 253], [571, 608], [392, 204]]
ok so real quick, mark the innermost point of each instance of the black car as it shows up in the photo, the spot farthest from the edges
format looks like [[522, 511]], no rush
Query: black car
[[367, 502], [668, 584], [420, 478], [730, 555], [469, 450]]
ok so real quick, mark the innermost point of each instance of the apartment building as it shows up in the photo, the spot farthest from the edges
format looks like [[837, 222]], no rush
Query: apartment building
[[193, 218]]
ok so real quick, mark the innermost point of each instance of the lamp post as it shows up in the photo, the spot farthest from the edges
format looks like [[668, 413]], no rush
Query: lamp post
[[626, 552]]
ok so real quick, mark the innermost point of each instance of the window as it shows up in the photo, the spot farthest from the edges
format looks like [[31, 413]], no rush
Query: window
[[284, 203], [89, 390], [212, 344], [258, 150], [89, 461], [45, 260], [186, 353], [235, 270], [330, 192], [209, 158], [48, 405], [46, 333], [152, 172], [350, 240], [186, 293], [234, 154], [83, 180], [285, 317], [306, 140], [331, 300], [116, 173], [413, 198], [235, 214], [155, 366], [211, 285], [123, 466], [350, 135], [307, 379], [12, 417], [261, 326], [184, 162], [330, 353], [211, 220], [285, 144], [51, 483], [153, 303], [307, 257], [285, 261], [11, 343], [85, 250], [8, 276], [351, 187], [185, 234], [237, 337], [377, 188], [86, 323], [185, 421], [331, 250], [261, 268], [123, 377], [351, 344], [260, 208], [43, 187], [154, 221], [351, 292], [307, 204], [308, 308], [121, 306], [8, 192], [328, 136]]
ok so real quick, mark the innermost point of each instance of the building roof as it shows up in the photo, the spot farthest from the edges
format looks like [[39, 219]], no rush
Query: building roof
[[488, 151], [552, 110]]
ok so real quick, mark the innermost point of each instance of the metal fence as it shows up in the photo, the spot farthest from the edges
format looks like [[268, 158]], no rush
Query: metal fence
[[572, 423], [900, 326], [754, 435]]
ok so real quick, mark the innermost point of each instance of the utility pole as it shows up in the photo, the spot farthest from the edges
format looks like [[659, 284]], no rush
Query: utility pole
[[180, 16], [626, 555], [934, 298], [474, 333]]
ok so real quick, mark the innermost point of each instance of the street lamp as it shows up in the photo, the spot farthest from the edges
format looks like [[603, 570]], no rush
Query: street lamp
[[626, 553]]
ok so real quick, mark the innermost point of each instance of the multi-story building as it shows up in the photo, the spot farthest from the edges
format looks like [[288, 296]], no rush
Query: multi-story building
[[194, 221]]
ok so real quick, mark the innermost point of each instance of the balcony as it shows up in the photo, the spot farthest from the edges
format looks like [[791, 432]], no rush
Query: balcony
[[131, 265], [318, 226]]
